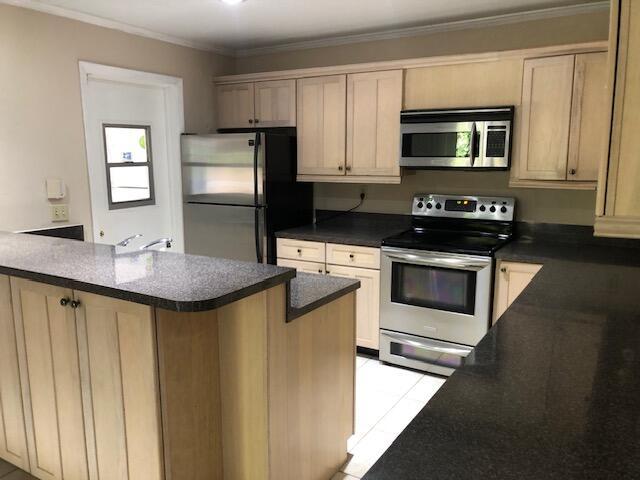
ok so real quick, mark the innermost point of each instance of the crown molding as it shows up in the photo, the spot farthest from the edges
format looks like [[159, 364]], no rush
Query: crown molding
[[433, 28], [114, 25]]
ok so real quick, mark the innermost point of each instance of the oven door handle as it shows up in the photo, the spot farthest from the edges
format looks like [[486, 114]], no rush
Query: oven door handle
[[427, 345], [432, 261]]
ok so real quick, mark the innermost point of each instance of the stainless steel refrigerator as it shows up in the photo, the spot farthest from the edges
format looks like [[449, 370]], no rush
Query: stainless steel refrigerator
[[248, 183]]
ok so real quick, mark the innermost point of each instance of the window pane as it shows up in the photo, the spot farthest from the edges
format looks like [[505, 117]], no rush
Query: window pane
[[129, 184], [126, 144]]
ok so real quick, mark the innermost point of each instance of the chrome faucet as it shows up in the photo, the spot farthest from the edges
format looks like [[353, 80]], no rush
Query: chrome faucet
[[127, 240], [166, 241]]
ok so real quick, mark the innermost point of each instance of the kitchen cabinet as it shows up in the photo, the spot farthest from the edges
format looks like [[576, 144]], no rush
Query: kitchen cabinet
[[350, 261], [322, 121], [618, 210], [259, 104], [50, 376], [563, 128], [511, 279], [13, 441]]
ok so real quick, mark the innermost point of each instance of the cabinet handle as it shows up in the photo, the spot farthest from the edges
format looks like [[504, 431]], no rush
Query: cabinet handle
[[503, 269], [340, 168], [75, 303], [572, 171], [64, 301], [251, 120]]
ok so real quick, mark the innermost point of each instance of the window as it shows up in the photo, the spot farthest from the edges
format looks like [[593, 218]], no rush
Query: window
[[129, 166]]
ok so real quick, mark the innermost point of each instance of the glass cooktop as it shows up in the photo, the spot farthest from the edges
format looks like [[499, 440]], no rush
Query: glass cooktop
[[446, 241]]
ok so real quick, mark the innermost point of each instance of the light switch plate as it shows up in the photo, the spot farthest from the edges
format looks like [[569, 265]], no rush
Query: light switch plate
[[59, 213]]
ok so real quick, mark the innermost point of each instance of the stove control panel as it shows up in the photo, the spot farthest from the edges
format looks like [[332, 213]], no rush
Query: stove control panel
[[464, 206]]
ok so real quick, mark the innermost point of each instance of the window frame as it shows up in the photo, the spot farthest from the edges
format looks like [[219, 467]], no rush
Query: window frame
[[149, 163]]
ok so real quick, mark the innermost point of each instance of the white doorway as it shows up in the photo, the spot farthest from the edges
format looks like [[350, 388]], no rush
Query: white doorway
[[133, 121]]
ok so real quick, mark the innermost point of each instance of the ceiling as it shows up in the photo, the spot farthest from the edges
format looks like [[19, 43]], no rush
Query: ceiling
[[259, 23]]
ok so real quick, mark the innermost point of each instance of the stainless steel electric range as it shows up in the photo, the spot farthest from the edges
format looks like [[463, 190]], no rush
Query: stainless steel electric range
[[437, 277]]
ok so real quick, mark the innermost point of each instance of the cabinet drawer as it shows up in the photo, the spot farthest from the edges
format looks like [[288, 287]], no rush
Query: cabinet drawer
[[301, 265], [300, 250], [353, 256]]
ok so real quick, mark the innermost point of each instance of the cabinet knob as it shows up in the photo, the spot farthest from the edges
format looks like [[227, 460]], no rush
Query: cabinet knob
[[572, 171], [327, 272], [503, 269], [64, 301], [348, 168], [352, 256], [257, 120], [299, 251], [320, 270], [251, 120], [75, 303], [340, 168]]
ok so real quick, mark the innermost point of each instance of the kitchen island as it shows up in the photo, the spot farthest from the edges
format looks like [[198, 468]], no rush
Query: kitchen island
[[154, 365]]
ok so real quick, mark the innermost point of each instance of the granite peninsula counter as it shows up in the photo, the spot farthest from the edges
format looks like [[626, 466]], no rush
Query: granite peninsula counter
[[152, 365]]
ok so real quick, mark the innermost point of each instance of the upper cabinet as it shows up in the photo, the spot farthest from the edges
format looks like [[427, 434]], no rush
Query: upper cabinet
[[349, 127], [618, 210], [259, 104], [562, 128]]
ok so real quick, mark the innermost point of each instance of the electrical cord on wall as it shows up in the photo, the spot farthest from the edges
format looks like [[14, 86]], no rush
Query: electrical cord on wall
[[331, 217]]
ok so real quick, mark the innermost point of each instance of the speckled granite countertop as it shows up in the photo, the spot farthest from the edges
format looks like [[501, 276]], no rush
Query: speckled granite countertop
[[184, 283], [365, 229], [309, 291], [551, 392]]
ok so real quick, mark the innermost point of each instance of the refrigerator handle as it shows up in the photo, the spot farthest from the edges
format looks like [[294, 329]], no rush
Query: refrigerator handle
[[256, 153], [258, 239]]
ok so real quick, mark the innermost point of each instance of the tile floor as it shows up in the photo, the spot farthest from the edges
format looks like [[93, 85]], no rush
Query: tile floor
[[387, 399]]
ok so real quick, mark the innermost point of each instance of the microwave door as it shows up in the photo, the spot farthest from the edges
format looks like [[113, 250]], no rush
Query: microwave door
[[438, 144]]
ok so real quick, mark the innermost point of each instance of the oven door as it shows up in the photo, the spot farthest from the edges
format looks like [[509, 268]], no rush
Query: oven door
[[437, 295], [438, 145]]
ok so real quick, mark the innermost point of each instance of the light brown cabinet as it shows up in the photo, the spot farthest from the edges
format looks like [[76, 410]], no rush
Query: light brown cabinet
[[511, 279], [562, 127], [259, 104], [618, 210]]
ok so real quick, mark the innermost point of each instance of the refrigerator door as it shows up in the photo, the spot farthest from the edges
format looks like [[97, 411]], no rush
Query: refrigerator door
[[226, 169]]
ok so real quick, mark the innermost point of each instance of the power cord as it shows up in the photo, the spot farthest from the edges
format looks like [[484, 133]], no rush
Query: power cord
[[362, 195]]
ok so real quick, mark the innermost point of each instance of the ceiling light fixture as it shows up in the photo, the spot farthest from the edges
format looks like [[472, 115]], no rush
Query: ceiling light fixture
[[233, 2]]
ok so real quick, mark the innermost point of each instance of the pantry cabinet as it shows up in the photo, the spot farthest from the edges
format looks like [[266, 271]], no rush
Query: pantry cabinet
[[511, 279]]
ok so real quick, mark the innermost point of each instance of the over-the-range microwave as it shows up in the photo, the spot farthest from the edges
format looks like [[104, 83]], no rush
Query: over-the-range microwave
[[478, 138]]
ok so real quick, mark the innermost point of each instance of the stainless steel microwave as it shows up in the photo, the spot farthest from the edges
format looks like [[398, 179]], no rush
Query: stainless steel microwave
[[456, 138]]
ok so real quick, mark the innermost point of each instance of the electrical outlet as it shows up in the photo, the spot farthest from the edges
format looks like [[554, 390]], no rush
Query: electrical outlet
[[59, 213]]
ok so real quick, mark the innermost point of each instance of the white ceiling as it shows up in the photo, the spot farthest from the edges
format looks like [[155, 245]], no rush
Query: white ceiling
[[260, 23]]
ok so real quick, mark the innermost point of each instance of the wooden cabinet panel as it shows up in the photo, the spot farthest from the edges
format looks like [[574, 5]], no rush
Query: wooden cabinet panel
[[546, 116], [367, 303], [275, 103], [47, 340], [300, 250], [511, 279], [300, 266], [13, 441], [589, 121], [119, 351], [374, 102], [235, 105], [353, 256], [321, 120]]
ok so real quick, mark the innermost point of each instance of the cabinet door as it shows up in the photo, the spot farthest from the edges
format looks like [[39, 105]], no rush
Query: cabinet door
[[546, 116], [374, 102], [235, 105], [589, 120], [120, 384], [511, 279], [275, 103], [13, 441], [48, 351], [367, 303], [300, 266], [321, 118]]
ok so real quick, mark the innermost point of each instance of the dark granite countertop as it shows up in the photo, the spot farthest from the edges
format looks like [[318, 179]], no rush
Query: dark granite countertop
[[551, 392], [184, 283], [364, 229]]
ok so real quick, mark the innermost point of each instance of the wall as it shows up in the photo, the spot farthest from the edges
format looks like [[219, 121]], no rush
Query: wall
[[41, 125], [555, 206]]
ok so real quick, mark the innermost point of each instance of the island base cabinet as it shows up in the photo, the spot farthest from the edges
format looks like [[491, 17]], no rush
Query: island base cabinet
[[13, 442]]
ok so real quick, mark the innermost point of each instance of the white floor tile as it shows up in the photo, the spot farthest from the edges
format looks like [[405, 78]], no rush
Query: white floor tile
[[367, 452], [396, 420], [371, 407], [425, 388], [360, 361], [373, 376]]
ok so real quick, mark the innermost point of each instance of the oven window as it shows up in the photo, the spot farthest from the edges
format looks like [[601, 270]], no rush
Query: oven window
[[439, 288], [437, 145]]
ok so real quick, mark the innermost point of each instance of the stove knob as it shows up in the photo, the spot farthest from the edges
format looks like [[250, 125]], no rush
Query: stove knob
[[492, 209], [420, 205], [503, 209], [429, 205], [438, 206], [483, 208]]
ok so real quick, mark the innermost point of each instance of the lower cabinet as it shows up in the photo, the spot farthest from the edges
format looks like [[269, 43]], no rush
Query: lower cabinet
[[88, 382], [511, 279]]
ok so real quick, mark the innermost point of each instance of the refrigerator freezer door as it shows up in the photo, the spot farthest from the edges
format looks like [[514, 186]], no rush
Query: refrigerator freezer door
[[223, 169]]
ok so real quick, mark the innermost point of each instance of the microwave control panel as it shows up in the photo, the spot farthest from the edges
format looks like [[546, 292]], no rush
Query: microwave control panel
[[463, 206]]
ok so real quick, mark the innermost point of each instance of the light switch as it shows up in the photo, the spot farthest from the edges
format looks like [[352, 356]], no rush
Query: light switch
[[55, 189], [59, 213]]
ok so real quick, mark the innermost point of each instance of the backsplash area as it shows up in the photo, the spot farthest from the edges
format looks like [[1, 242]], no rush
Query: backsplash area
[[575, 207]]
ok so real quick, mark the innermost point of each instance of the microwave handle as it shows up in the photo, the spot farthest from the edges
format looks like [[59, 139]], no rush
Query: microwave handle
[[472, 143]]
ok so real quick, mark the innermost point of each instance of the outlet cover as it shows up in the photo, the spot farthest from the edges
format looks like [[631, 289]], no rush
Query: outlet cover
[[59, 213]]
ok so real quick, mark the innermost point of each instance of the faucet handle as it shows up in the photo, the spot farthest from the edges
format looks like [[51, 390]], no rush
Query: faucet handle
[[127, 240]]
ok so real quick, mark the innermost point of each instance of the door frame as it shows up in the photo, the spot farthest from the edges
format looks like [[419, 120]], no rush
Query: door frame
[[172, 88]]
